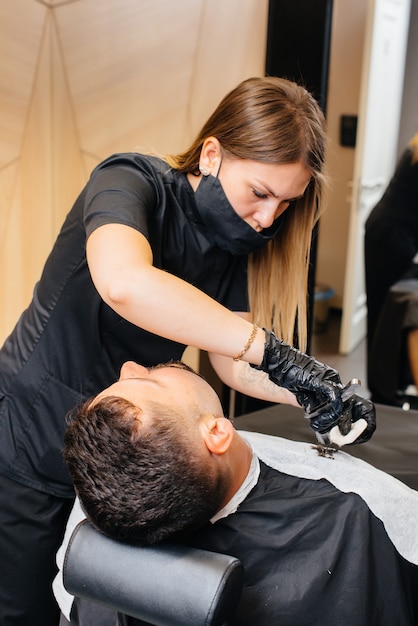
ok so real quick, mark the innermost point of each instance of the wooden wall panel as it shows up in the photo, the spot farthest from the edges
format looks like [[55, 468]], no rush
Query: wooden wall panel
[[21, 26], [137, 74], [84, 78]]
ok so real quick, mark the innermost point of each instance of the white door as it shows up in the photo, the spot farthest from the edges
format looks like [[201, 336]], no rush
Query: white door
[[376, 149]]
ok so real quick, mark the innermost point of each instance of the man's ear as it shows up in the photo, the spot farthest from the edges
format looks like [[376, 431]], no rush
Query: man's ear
[[210, 156], [217, 433]]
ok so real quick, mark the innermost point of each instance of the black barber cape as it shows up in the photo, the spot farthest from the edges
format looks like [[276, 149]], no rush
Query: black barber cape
[[313, 555], [324, 540]]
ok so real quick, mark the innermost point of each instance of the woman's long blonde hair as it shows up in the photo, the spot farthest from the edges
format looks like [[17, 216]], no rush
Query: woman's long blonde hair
[[273, 120]]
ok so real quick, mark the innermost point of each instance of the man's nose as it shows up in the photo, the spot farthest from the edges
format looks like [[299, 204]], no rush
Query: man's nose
[[130, 369]]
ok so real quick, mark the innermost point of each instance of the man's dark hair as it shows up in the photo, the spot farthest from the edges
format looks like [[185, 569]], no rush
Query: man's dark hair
[[137, 483]]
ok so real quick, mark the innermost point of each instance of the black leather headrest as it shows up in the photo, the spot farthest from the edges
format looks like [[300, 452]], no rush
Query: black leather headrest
[[166, 585]]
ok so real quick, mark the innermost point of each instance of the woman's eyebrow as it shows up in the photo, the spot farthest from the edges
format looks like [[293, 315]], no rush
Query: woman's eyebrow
[[266, 187]]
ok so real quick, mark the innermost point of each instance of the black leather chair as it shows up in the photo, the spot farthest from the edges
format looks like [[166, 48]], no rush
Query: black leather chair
[[166, 585]]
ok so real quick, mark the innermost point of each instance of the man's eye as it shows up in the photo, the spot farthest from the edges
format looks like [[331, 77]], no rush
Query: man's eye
[[259, 194]]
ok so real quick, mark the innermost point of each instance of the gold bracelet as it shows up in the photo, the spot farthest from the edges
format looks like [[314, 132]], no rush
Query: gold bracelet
[[248, 344]]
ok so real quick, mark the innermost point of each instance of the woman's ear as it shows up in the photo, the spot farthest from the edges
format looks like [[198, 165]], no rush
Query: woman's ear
[[217, 433], [210, 156]]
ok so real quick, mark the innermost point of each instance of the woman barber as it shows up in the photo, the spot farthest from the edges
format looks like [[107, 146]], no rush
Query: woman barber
[[205, 249]]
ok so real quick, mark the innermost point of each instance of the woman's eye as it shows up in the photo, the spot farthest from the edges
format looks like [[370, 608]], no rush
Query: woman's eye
[[259, 194]]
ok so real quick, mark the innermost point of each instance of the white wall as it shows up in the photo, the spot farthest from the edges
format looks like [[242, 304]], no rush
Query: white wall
[[409, 114], [343, 97]]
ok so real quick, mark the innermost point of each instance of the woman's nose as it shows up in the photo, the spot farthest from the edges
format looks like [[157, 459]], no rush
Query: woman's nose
[[266, 217], [130, 369]]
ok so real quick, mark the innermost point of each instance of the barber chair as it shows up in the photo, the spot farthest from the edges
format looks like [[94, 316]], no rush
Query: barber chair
[[165, 585]]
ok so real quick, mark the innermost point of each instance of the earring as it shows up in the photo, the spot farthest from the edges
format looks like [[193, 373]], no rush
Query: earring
[[203, 171]]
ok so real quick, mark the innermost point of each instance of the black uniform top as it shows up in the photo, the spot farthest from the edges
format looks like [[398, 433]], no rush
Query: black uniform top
[[312, 556], [68, 344]]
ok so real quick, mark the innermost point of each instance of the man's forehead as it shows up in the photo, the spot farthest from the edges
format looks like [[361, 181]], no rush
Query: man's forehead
[[177, 364], [134, 380]]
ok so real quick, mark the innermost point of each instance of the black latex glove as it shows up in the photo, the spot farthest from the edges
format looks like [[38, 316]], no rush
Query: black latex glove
[[310, 399], [356, 408], [318, 389], [313, 383]]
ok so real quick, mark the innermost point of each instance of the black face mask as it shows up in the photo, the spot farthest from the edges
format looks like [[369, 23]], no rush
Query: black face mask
[[226, 228]]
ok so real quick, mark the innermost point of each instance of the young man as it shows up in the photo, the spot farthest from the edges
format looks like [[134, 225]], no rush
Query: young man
[[322, 540]]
